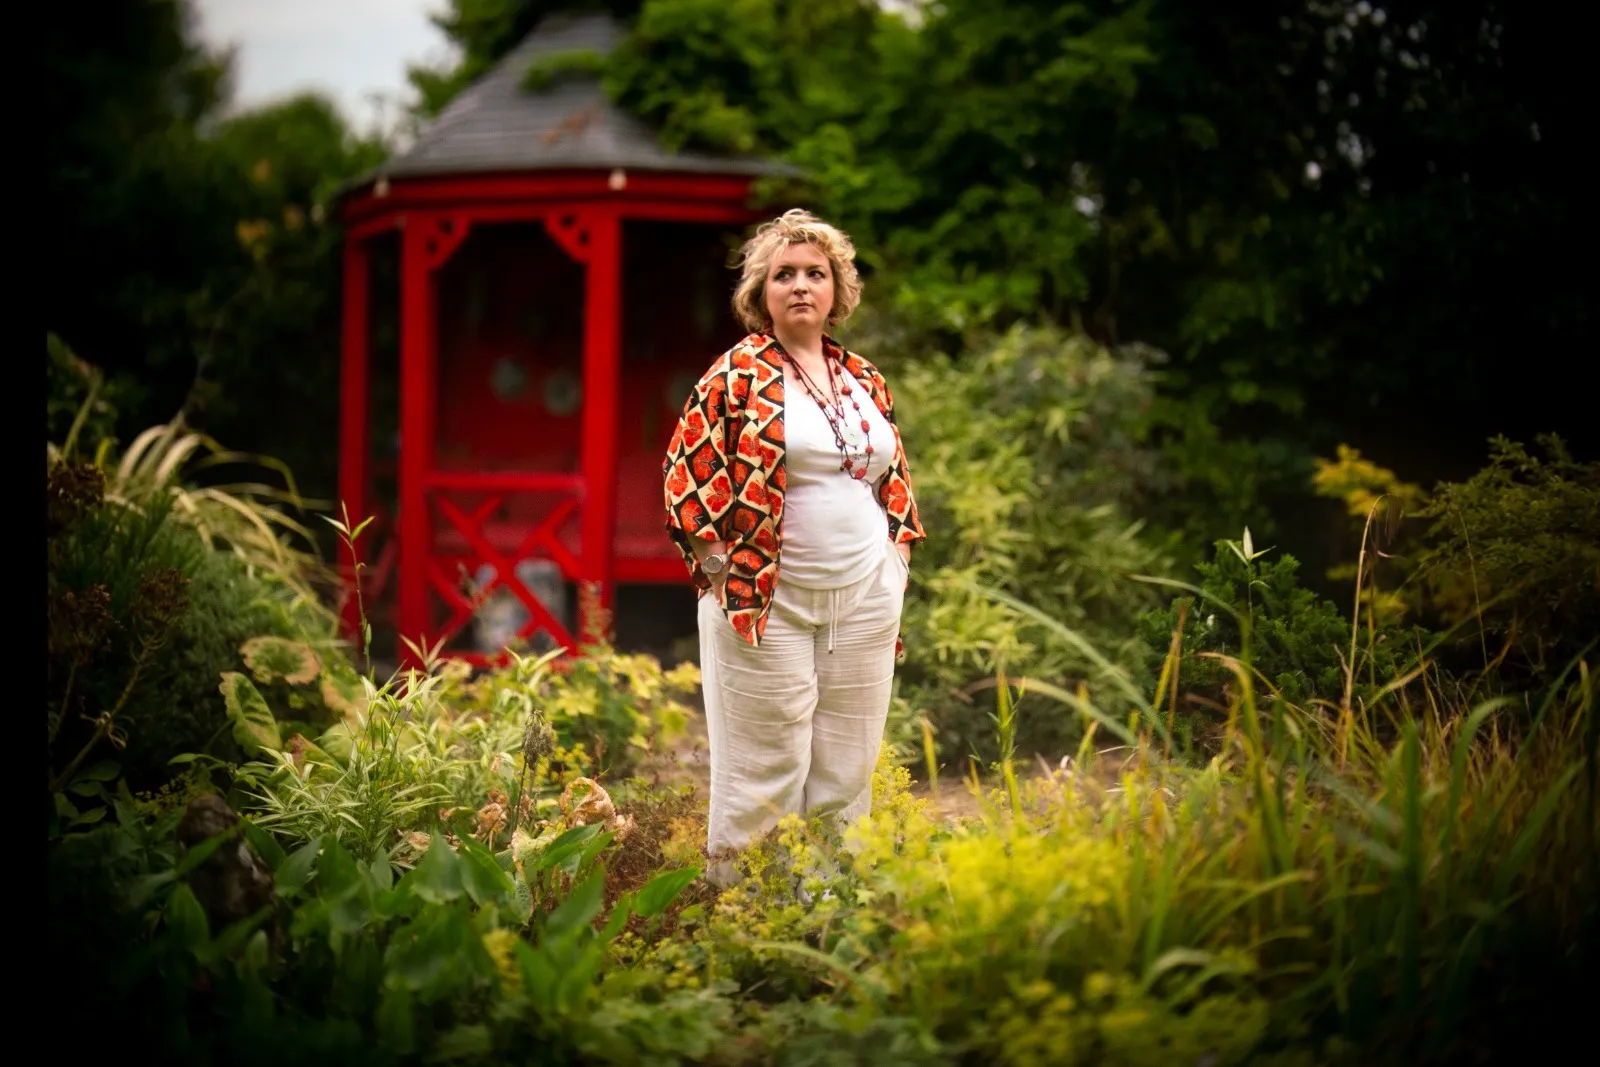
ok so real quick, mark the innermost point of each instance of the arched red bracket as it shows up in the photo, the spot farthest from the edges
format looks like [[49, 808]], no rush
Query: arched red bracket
[[441, 236], [570, 230]]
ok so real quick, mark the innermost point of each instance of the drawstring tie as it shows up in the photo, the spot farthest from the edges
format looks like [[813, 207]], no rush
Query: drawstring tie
[[833, 616]]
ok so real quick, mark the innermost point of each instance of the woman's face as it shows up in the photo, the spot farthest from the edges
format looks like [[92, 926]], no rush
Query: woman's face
[[799, 289]]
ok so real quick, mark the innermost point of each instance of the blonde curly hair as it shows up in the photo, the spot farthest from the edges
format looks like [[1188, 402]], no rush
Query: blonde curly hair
[[795, 226]]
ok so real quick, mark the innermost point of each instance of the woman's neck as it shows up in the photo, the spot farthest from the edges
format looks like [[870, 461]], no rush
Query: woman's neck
[[804, 347]]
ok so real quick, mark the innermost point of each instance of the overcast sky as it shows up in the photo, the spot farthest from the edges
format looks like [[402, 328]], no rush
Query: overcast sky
[[349, 49]]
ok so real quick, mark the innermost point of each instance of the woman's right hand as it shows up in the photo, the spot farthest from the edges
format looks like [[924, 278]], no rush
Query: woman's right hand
[[718, 581]]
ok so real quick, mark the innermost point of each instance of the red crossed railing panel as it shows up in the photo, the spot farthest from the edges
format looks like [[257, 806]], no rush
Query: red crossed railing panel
[[543, 538]]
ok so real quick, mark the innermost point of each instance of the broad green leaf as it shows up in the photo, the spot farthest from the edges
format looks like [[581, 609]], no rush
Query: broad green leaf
[[345, 695], [277, 659], [662, 890], [580, 908], [198, 854], [539, 976], [234, 935], [186, 919], [568, 844], [103, 771], [253, 725], [577, 979], [382, 873], [481, 875], [441, 954], [265, 845], [337, 870], [295, 871], [350, 910], [620, 913], [321, 760], [395, 1021], [437, 879], [593, 848], [257, 952]]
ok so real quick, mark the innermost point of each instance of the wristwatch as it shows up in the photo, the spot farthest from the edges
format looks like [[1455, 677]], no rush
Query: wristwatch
[[715, 563]]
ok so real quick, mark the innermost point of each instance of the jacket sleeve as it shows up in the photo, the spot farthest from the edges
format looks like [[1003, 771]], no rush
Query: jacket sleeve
[[698, 491], [894, 488]]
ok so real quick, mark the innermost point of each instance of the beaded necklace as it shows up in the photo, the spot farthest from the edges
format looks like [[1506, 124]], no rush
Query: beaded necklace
[[845, 434]]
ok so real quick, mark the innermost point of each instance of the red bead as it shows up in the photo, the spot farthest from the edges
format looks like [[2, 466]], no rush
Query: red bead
[[864, 427]]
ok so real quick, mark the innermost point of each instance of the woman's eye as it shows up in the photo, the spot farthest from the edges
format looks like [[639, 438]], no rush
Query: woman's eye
[[783, 275], [817, 274]]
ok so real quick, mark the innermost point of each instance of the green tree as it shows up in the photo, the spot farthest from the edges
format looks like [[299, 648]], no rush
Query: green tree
[[142, 215], [269, 366], [1312, 207], [485, 30], [193, 259]]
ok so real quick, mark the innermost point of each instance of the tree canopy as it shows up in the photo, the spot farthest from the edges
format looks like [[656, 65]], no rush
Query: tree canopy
[[1331, 215], [192, 258], [1341, 221]]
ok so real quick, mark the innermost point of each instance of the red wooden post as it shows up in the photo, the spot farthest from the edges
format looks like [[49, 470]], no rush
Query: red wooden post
[[417, 344], [601, 366], [353, 427]]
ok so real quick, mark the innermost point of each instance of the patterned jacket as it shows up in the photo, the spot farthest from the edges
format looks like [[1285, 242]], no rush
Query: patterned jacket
[[735, 495]]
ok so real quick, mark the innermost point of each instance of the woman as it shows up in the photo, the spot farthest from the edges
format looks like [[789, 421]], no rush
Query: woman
[[788, 450]]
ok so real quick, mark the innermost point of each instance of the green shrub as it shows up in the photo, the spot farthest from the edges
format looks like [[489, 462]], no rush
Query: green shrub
[[1027, 465], [116, 639], [1309, 896], [1517, 547], [1299, 641], [609, 708]]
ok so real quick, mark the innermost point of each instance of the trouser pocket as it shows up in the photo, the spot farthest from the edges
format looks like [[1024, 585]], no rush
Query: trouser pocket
[[900, 563]]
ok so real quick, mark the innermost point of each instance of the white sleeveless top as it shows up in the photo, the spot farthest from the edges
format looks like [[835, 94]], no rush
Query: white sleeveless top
[[833, 525]]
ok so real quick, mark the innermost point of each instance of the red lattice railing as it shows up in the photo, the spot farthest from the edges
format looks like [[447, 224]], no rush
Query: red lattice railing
[[471, 524]]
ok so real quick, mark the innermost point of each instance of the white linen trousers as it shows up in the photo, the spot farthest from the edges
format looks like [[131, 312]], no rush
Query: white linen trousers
[[795, 725]]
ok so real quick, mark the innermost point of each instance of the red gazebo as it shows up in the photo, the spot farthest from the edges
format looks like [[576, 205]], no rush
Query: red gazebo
[[562, 284]]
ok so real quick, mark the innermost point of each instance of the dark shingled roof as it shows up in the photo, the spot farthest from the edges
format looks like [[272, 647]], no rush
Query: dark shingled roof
[[496, 125]]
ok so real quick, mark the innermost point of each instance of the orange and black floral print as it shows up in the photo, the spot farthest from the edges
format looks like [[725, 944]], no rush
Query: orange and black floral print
[[724, 473]]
